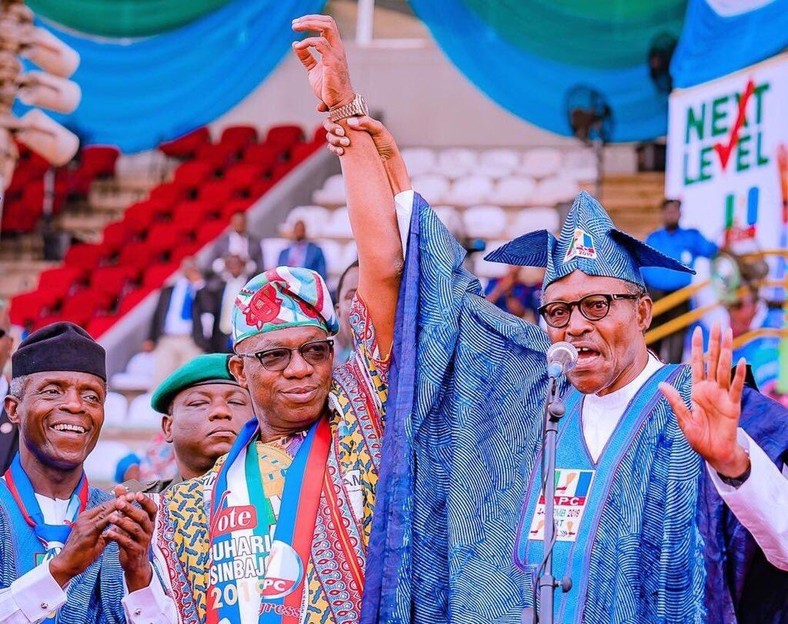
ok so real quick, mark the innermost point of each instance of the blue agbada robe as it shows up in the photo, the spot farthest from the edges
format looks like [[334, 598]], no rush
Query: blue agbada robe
[[93, 596], [462, 437]]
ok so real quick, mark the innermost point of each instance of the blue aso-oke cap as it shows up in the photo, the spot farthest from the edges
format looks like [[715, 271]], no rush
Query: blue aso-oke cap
[[589, 242]]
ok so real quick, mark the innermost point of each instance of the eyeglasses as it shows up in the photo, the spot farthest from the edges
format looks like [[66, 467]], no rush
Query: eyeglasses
[[593, 307], [314, 352]]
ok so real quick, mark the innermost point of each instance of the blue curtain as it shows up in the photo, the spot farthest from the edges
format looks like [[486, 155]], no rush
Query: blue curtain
[[138, 93], [713, 45], [535, 88]]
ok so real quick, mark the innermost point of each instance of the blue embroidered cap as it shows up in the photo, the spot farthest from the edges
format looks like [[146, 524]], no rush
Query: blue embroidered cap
[[589, 242]]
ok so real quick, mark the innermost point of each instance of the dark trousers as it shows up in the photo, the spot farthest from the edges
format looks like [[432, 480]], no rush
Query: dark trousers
[[670, 348]]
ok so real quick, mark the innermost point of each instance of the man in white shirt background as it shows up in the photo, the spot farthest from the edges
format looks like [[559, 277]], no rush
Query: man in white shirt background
[[238, 241], [69, 552], [171, 327]]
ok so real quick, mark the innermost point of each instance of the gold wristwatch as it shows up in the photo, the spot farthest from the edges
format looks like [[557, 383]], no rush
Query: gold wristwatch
[[357, 106]]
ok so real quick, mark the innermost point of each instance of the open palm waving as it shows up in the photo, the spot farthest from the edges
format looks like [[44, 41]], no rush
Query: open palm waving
[[711, 425]]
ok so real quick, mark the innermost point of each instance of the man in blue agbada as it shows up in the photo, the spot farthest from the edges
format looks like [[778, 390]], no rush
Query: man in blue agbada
[[68, 552], [674, 507]]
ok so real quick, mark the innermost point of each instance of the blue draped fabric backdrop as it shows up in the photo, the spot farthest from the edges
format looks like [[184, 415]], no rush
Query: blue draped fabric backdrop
[[138, 93], [713, 45], [534, 88]]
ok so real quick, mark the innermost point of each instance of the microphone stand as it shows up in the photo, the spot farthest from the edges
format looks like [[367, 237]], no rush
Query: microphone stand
[[546, 582]]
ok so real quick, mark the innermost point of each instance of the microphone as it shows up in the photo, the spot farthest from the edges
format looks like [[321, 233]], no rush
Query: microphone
[[561, 358]]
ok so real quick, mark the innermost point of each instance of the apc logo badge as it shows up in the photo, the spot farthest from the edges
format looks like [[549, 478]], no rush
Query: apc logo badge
[[582, 246], [283, 571]]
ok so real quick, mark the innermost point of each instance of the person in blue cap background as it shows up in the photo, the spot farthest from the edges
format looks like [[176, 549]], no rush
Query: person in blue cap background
[[69, 552], [674, 508], [203, 408]]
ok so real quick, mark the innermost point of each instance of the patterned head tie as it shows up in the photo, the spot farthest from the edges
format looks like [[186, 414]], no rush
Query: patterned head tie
[[281, 298], [589, 242]]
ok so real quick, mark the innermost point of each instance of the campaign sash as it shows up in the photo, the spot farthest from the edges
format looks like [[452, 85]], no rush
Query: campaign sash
[[51, 536], [582, 488], [257, 565]]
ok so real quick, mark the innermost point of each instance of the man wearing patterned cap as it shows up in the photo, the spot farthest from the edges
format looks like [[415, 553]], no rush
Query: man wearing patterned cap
[[69, 552], [672, 507], [278, 530], [708, 450]]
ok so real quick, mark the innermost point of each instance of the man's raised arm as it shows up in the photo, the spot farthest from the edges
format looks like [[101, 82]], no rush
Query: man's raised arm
[[370, 201]]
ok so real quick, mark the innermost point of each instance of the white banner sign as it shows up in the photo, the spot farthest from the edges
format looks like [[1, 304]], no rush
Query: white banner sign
[[724, 137]]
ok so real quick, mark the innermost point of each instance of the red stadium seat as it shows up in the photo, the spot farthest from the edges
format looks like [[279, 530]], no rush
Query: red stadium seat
[[265, 156], [260, 188], [209, 231], [82, 306], [116, 235], [186, 146], [99, 160], [284, 136], [218, 156], [164, 239], [84, 256], [136, 255], [133, 298], [302, 151], [168, 193], [99, 325], [319, 136], [112, 282], [27, 307], [237, 205], [238, 137], [242, 176], [157, 274], [191, 174], [189, 215], [60, 281], [217, 192]]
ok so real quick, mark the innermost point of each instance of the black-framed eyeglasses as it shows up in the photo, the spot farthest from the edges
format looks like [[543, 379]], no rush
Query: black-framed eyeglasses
[[594, 307], [314, 352]]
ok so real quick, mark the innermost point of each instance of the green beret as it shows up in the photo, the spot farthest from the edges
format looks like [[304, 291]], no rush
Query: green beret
[[204, 369]]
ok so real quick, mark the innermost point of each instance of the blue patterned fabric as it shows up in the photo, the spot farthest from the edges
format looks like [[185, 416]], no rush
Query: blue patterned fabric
[[589, 242], [453, 469], [462, 439], [93, 596]]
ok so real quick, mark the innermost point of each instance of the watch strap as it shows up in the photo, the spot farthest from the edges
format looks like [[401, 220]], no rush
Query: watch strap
[[737, 482], [357, 106]]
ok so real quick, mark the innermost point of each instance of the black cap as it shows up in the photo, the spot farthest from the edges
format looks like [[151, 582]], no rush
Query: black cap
[[59, 347]]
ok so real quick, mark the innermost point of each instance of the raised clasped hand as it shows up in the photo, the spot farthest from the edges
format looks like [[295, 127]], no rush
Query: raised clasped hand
[[710, 426], [132, 529], [328, 75]]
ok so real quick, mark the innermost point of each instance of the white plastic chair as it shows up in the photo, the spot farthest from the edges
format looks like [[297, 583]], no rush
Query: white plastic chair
[[536, 218], [142, 415], [314, 217], [116, 408], [555, 189], [471, 190], [332, 251], [485, 221], [541, 162], [489, 270], [338, 224], [102, 462], [349, 255], [433, 187], [271, 248], [498, 163], [138, 376], [332, 193], [452, 219], [580, 165], [456, 162], [419, 160], [513, 191]]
